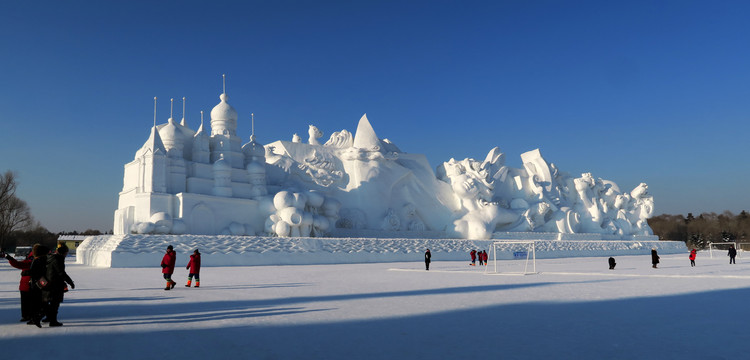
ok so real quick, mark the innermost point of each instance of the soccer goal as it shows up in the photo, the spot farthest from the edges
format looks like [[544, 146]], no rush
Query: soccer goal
[[516, 256], [722, 248]]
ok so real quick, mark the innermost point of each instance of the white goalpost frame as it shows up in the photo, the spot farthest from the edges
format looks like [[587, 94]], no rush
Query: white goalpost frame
[[711, 248], [528, 253]]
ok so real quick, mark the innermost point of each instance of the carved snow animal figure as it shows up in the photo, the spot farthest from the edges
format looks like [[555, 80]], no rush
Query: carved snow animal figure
[[314, 134], [588, 206], [643, 208], [480, 217]]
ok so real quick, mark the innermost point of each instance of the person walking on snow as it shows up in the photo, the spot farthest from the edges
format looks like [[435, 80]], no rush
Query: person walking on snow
[[654, 258], [473, 254], [485, 257], [167, 267], [427, 257], [692, 257], [481, 258], [732, 253], [194, 268]]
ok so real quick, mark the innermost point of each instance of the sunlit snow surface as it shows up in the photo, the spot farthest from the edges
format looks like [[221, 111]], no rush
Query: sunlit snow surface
[[575, 308]]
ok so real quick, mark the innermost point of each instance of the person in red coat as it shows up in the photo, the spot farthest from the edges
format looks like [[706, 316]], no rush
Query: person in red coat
[[23, 287], [167, 267], [485, 257], [692, 257], [194, 268], [473, 254]]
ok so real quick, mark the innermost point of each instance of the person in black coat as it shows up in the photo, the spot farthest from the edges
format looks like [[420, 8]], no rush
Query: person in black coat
[[654, 258], [37, 271], [427, 257], [612, 263], [54, 292], [732, 254]]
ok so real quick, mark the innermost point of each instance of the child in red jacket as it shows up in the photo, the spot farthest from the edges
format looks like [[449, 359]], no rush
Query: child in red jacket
[[194, 269]]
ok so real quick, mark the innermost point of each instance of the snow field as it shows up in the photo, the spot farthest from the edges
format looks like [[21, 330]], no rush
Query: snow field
[[575, 308]]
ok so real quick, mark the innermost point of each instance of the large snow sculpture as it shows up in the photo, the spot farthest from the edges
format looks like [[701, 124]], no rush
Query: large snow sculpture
[[189, 182]]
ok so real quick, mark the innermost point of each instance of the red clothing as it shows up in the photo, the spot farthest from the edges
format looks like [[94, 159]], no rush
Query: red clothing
[[25, 277], [194, 266], [692, 255], [473, 255], [168, 262]]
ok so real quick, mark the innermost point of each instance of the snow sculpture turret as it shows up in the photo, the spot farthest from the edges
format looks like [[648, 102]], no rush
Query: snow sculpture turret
[[224, 140], [222, 178], [201, 145], [255, 164]]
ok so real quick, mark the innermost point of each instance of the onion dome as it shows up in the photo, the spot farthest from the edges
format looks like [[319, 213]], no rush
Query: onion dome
[[223, 117], [253, 149]]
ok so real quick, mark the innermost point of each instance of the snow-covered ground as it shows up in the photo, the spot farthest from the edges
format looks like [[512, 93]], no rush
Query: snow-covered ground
[[575, 308]]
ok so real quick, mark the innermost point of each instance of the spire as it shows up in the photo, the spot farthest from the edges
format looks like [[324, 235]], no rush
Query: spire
[[252, 122], [200, 128], [154, 142], [224, 83], [171, 109], [183, 122]]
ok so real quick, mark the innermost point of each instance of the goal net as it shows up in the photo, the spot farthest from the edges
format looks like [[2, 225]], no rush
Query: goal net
[[512, 257], [722, 248]]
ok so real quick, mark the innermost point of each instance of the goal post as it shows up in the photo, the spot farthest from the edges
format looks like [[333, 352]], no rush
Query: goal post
[[511, 250], [722, 247]]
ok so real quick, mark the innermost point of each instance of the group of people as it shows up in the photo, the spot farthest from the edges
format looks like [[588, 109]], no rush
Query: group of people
[[194, 267], [481, 255], [732, 253], [43, 285]]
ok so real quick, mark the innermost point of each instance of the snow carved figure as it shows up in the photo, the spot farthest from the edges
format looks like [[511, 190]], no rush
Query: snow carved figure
[[205, 182], [297, 215], [391, 222], [340, 139], [480, 216], [314, 134]]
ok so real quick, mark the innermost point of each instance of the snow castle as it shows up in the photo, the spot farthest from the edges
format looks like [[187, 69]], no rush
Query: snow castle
[[206, 182]]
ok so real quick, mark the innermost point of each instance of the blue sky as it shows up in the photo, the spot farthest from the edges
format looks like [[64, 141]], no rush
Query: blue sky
[[632, 91]]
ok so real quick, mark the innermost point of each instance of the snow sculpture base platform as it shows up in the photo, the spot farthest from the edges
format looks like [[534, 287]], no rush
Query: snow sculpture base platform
[[123, 251]]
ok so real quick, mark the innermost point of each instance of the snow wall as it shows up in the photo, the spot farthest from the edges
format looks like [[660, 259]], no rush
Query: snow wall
[[123, 251]]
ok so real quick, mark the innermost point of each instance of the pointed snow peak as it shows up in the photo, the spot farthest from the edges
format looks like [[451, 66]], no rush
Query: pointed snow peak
[[365, 137], [154, 143]]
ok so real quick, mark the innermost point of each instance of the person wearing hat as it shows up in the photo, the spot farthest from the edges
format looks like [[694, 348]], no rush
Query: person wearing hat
[[167, 267], [53, 293], [194, 268]]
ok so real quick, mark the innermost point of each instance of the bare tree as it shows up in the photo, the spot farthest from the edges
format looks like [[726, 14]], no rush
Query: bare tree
[[14, 212]]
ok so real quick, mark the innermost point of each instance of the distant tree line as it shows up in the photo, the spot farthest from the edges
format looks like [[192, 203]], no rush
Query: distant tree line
[[17, 225], [698, 232]]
